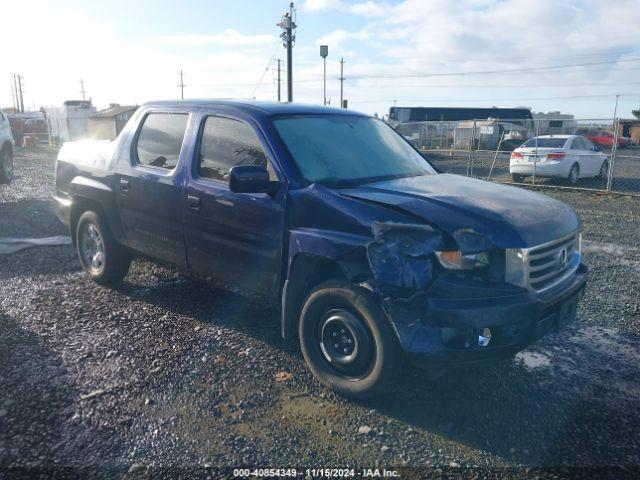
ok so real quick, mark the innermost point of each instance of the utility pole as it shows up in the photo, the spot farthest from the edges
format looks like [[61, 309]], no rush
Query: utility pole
[[13, 98], [342, 83], [288, 36], [15, 89], [614, 146], [279, 70], [181, 85], [82, 90], [20, 97], [324, 51]]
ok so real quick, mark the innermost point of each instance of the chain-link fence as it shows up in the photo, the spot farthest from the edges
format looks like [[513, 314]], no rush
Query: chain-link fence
[[556, 152]]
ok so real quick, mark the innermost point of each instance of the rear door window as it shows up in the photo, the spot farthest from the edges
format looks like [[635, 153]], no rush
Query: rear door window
[[160, 139], [588, 144], [227, 143], [578, 144]]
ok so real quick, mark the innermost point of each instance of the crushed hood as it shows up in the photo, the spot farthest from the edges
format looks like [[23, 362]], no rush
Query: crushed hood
[[479, 215]]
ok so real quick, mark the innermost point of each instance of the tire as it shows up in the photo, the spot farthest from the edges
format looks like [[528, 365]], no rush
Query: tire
[[101, 256], [517, 178], [604, 170], [368, 357], [6, 166], [574, 174]]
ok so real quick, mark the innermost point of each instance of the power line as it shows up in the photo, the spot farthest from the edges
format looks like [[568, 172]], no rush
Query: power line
[[488, 72], [372, 77], [269, 63], [279, 70], [489, 100], [529, 85]]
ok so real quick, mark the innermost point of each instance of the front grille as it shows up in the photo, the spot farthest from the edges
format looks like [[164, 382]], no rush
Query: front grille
[[550, 263]]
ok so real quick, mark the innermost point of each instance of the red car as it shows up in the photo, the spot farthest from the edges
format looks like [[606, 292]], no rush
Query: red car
[[604, 138]]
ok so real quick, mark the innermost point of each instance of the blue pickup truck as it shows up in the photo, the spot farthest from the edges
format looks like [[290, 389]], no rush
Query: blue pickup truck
[[375, 257]]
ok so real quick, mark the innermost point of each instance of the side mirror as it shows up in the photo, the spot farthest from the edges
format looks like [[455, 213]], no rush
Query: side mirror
[[251, 179]]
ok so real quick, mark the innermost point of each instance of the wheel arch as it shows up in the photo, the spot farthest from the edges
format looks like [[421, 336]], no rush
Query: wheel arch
[[7, 146], [305, 272]]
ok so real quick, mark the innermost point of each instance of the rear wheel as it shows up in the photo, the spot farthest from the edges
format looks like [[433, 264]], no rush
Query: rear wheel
[[604, 170], [517, 178], [574, 174], [347, 341], [6, 166], [101, 256]]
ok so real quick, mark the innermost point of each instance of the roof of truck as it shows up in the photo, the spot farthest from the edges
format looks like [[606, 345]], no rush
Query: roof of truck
[[270, 108]]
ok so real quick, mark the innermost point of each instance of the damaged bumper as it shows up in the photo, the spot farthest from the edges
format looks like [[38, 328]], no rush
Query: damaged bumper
[[460, 321]]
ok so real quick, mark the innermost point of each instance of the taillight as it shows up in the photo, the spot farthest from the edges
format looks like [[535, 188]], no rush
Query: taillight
[[555, 156], [516, 154]]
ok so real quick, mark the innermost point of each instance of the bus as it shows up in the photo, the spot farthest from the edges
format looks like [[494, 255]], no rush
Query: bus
[[520, 116]]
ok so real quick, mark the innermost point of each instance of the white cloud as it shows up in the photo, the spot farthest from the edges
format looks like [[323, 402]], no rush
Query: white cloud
[[228, 38], [371, 9], [322, 5], [368, 8], [338, 37]]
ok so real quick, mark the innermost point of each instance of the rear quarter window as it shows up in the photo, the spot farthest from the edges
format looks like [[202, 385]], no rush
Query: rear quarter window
[[160, 139]]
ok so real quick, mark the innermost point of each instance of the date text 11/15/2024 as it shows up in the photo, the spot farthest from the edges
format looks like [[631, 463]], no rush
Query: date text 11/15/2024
[[316, 472]]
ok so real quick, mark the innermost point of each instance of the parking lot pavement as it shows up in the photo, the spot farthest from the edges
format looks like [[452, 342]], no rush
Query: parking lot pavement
[[170, 372]]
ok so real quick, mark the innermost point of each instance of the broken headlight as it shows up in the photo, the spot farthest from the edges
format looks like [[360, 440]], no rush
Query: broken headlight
[[455, 260]]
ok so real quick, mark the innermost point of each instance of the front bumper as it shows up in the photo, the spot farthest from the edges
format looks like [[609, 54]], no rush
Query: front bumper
[[456, 311], [62, 209]]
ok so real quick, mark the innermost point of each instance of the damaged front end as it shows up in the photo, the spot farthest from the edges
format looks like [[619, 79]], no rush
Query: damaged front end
[[447, 298]]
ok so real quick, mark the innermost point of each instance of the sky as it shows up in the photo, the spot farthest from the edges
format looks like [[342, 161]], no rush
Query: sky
[[550, 55]]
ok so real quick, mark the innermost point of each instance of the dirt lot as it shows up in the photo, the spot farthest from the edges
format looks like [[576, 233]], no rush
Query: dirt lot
[[166, 375]]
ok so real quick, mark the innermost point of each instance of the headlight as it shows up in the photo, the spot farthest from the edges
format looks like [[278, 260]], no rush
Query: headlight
[[454, 260]]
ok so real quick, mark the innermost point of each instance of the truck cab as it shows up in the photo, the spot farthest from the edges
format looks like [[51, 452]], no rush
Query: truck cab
[[375, 258]]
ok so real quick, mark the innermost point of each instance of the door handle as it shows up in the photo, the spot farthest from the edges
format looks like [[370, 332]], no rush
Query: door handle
[[193, 203], [124, 185]]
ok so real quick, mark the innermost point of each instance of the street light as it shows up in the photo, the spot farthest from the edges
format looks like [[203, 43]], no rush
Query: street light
[[324, 51]]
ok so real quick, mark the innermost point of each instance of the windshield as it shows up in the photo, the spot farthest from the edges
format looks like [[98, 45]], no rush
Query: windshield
[[545, 142], [340, 150]]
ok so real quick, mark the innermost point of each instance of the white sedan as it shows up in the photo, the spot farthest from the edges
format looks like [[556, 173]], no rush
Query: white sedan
[[562, 156]]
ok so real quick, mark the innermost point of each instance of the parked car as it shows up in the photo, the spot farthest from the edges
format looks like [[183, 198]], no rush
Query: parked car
[[374, 257], [6, 149], [604, 138], [561, 156]]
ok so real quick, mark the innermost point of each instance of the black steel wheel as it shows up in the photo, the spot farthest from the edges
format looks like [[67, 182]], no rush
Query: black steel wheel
[[347, 341]]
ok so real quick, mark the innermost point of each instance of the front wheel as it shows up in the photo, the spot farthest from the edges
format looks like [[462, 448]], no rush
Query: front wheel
[[517, 178], [6, 166], [101, 256], [347, 341]]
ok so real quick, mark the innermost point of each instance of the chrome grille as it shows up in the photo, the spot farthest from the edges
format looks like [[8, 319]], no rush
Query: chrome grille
[[552, 262]]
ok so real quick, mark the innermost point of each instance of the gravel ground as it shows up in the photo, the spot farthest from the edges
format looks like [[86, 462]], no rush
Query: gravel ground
[[167, 375]]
